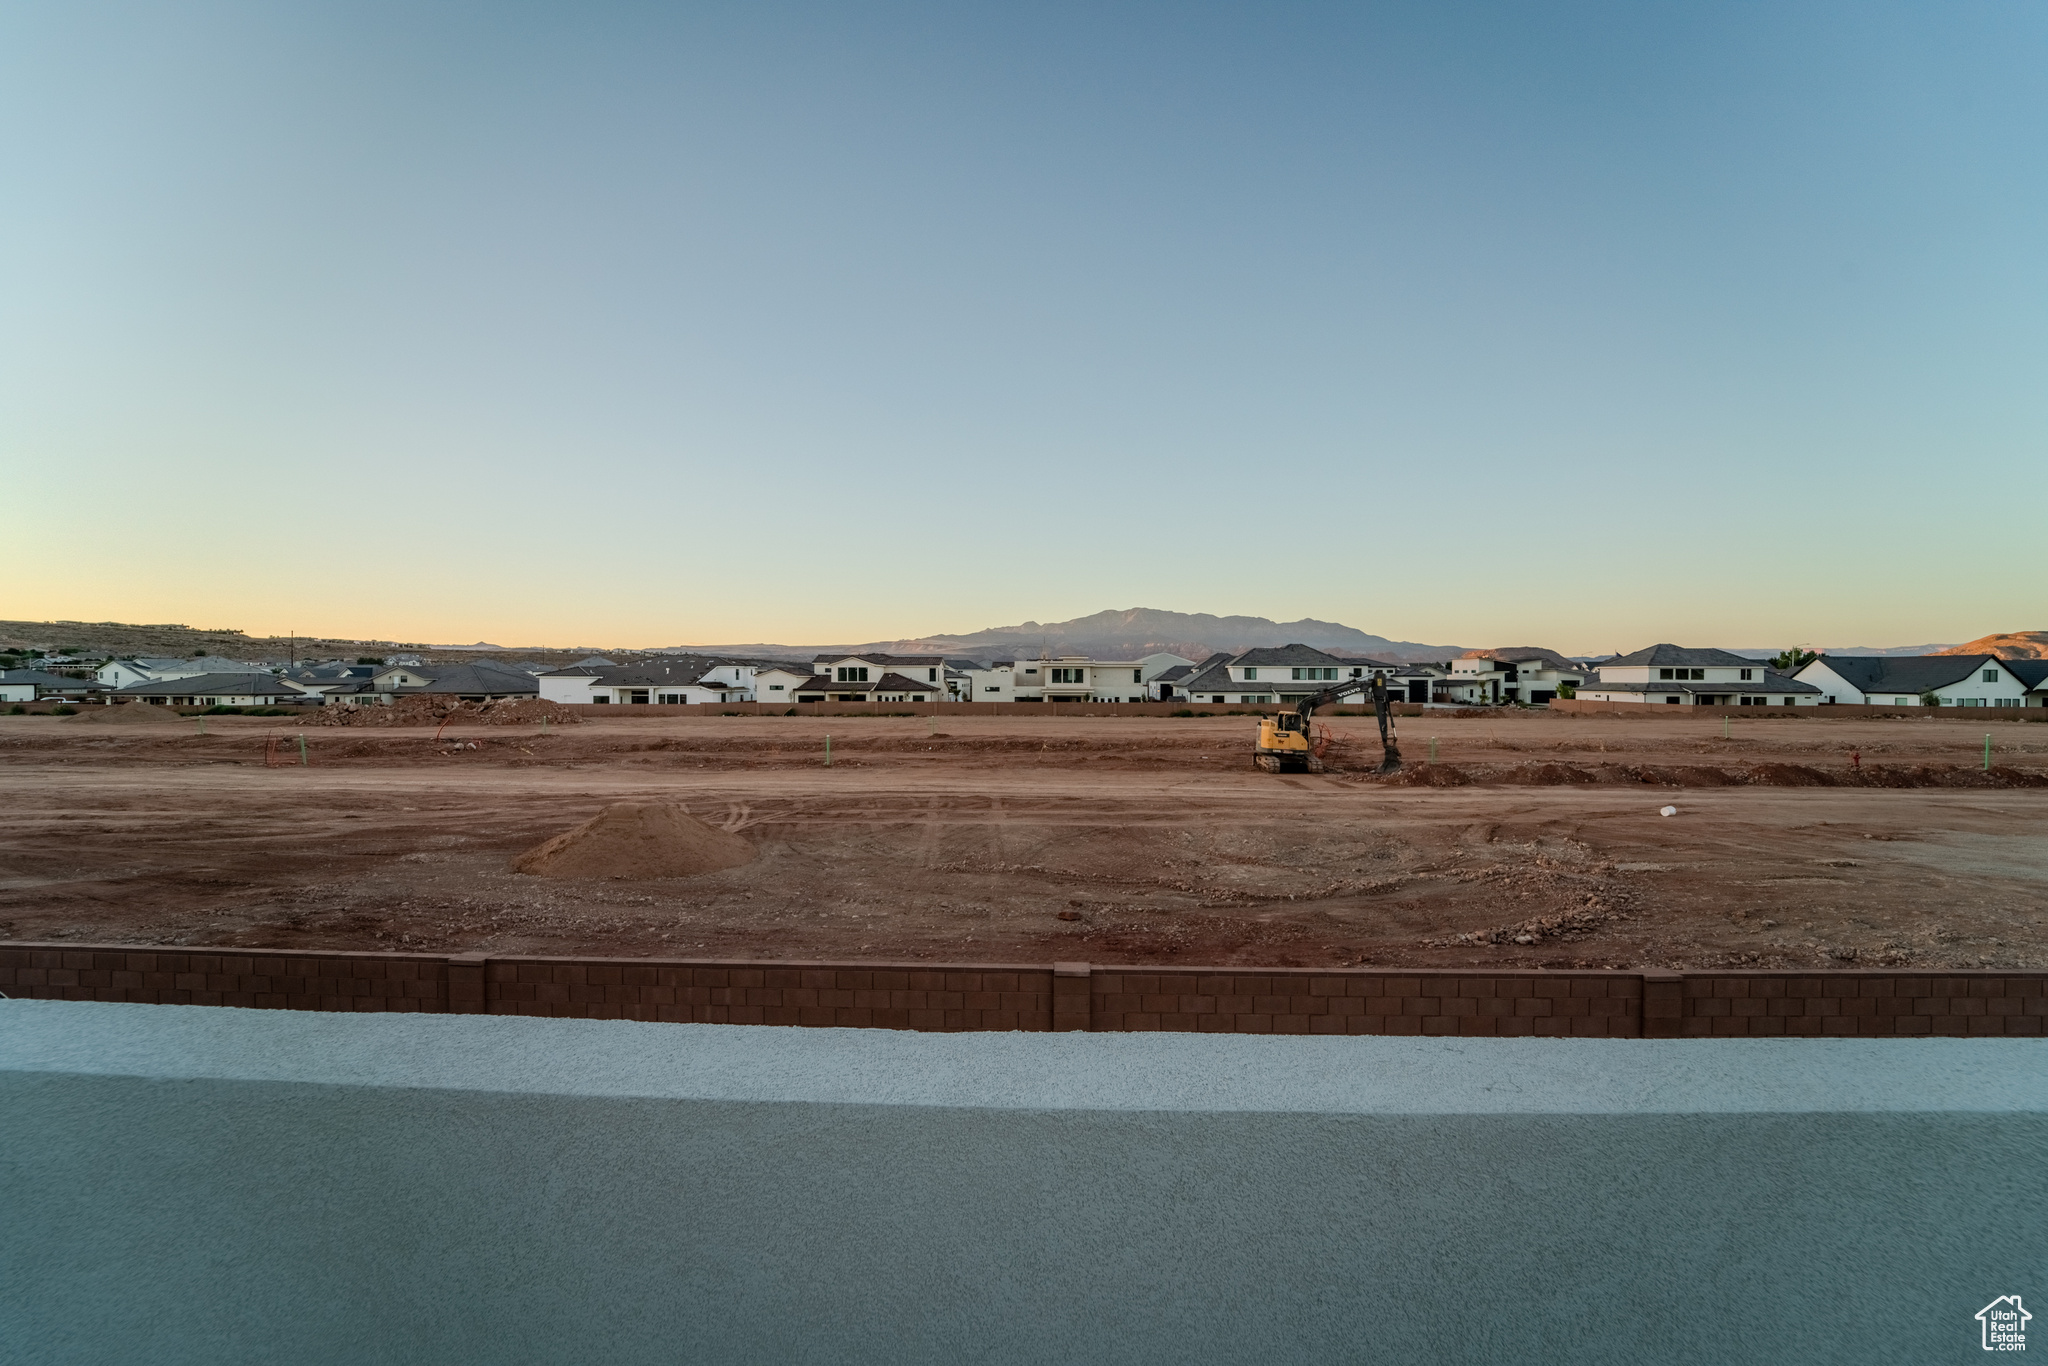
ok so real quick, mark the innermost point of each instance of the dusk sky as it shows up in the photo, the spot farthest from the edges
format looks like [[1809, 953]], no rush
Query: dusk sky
[[1576, 325]]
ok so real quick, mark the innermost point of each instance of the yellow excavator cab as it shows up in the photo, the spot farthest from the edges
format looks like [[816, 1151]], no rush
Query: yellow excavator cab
[[1283, 745]]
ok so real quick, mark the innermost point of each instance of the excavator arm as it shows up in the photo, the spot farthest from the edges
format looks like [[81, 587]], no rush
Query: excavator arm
[[1382, 703]]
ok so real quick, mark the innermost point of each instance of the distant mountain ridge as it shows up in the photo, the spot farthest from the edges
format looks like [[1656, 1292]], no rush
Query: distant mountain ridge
[[1130, 634], [2006, 644]]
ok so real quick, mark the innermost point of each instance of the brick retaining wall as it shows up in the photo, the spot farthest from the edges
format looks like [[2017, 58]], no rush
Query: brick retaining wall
[[944, 997]]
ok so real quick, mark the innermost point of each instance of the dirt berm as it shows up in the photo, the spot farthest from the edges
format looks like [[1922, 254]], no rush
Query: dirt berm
[[636, 841], [128, 714]]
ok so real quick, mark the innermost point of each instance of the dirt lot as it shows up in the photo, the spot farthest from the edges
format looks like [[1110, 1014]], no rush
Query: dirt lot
[[1533, 840]]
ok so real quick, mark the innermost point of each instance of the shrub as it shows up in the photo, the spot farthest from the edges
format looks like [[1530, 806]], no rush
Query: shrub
[[1184, 712], [63, 711], [17, 710]]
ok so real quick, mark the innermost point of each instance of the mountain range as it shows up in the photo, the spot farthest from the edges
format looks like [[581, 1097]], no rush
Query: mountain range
[[1128, 634]]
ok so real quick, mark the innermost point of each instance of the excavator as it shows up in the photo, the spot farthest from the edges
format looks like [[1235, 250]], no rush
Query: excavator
[[1285, 744]]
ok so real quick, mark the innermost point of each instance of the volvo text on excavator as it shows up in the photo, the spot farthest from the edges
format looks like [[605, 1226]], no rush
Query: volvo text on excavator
[[1286, 744]]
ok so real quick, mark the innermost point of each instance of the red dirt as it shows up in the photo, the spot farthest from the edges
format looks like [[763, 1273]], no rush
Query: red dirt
[[636, 842], [1155, 835]]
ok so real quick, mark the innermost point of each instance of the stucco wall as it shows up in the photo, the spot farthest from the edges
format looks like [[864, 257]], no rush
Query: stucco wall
[[187, 1184]]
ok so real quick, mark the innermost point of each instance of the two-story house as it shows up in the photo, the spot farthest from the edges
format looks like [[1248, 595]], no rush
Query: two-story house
[[680, 681], [1283, 673], [874, 678], [1072, 678], [1902, 680], [1683, 676], [1526, 674]]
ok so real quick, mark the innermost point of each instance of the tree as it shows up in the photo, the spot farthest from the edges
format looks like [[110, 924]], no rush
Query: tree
[[1793, 660], [1930, 698]]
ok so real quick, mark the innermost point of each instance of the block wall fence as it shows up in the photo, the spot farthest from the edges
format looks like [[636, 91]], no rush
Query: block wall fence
[[1059, 996]]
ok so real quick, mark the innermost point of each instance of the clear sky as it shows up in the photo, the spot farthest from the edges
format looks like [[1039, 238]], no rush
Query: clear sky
[[1582, 325]]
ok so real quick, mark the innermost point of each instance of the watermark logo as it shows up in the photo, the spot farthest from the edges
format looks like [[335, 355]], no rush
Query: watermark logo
[[2004, 1321]]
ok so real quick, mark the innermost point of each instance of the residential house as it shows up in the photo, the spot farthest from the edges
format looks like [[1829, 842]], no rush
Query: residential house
[[215, 690], [874, 678], [681, 680], [1073, 678], [122, 673], [1274, 674], [2033, 673], [1685, 676], [1901, 680], [1167, 686], [27, 685], [775, 683], [1524, 674]]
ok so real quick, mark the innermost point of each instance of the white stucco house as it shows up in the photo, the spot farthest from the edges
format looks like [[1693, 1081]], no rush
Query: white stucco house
[[778, 683], [1274, 674], [681, 681], [1526, 674], [1074, 678], [1902, 680], [875, 678], [125, 673], [1685, 676], [216, 690]]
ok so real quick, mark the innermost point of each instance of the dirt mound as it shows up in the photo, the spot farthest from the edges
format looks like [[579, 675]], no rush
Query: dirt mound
[[1789, 775], [635, 841], [128, 714], [1545, 775], [1943, 775], [1425, 775], [419, 710]]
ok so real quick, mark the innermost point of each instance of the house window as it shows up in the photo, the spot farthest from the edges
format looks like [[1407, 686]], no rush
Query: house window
[[774, 687], [1068, 676], [1314, 675], [1215, 699], [1251, 675], [1137, 675], [1031, 671], [997, 688], [848, 674], [1671, 699], [1991, 675], [1663, 674], [600, 698], [931, 675], [671, 699], [1747, 674], [636, 695], [917, 697]]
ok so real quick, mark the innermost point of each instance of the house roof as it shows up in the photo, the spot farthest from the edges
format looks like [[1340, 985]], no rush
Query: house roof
[[1904, 673], [239, 684], [2032, 672], [1522, 654], [469, 678], [1772, 681], [1211, 675], [1288, 654], [1681, 654], [1174, 674], [652, 673], [886, 683], [43, 679], [922, 661]]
